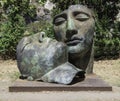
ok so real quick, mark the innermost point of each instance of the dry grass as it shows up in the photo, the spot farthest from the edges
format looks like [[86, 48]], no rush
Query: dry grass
[[109, 70], [8, 70]]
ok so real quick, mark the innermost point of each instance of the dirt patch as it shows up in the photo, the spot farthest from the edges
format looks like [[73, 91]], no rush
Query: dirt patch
[[8, 70], [109, 70]]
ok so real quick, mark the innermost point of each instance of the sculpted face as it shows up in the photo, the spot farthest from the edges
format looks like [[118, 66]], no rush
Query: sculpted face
[[75, 27]]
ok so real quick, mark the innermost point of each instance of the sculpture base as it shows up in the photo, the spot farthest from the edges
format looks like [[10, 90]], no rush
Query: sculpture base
[[91, 83]]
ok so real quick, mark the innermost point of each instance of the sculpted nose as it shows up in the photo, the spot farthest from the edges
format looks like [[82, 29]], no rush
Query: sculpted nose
[[71, 30], [70, 33], [82, 39]]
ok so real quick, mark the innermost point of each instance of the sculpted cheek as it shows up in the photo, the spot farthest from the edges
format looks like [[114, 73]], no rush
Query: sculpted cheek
[[60, 32]]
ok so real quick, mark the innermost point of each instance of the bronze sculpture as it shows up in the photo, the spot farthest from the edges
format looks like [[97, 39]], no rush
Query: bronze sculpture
[[75, 27], [65, 58]]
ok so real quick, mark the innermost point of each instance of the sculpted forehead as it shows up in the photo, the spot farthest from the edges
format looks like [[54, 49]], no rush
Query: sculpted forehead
[[80, 8], [75, 9]]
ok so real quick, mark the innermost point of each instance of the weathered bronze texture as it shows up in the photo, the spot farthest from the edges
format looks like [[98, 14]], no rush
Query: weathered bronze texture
[[45, 59], [75, 27], [62, 60]]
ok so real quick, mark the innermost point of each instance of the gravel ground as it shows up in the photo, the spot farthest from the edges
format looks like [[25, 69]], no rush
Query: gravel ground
[[109, 70]]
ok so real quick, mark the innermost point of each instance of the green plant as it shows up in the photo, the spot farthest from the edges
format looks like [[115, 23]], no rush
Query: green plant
[[18, 13], [42, 2], [107, 43], [19, 7], [40, 26], [10, 35]]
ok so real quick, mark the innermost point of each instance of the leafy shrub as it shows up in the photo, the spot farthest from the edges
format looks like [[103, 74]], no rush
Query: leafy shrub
[[10, 35], [42, 2], [107, 43], [18, 13], [39, 26], [107, 39], [18, 18], [23, 8]]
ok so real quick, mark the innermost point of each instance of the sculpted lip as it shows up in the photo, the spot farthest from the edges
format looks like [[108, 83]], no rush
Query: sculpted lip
[[72, 42]]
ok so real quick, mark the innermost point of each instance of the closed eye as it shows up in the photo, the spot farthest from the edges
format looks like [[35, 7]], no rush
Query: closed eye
[[59, 21], [82, 17]]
